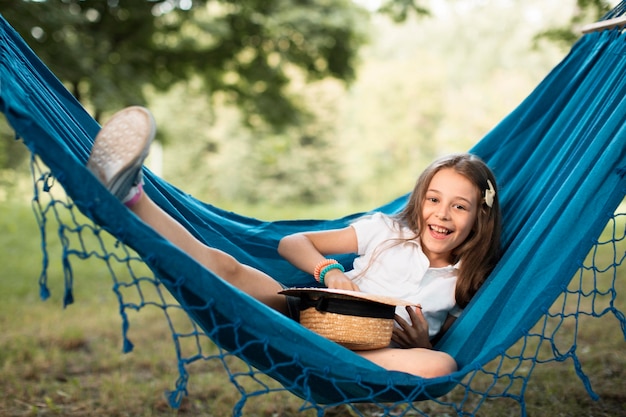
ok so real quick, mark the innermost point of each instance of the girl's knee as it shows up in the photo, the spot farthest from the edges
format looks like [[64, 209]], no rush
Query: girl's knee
[[417, 361], [223, 264], [439, 364], [430, 363]]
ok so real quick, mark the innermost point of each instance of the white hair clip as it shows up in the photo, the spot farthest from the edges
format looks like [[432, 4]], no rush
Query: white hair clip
[[490, 194]]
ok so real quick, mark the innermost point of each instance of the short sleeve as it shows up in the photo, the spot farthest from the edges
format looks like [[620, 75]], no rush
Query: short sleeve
[[371, 231], [456, 311]]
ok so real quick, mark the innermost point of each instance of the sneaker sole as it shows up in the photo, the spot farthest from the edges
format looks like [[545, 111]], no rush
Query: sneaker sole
[[120, 148]]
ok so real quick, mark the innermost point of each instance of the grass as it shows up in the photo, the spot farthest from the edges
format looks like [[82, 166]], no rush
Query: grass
[[68, 361]]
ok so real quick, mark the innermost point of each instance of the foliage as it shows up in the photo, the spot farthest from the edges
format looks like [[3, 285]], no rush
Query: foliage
[[401, 10], [222, 162], [108, 51], [13, 162], [424, 88], [12, 152], [417, 89], [586, 11]]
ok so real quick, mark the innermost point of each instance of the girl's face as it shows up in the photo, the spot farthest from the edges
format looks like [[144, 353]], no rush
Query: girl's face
[[449, 213]]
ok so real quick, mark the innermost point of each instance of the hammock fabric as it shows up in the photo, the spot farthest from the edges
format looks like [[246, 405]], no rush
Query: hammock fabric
[[560, 160]]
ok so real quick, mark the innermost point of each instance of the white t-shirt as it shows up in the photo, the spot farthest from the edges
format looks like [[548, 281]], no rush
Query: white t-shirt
[[390, 265]]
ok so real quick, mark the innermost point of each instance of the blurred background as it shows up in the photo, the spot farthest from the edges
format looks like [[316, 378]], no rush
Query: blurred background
[[299, 103]]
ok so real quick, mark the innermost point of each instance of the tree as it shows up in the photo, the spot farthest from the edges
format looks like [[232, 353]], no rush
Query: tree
[[108, 51], [586, 11], [263, 59]]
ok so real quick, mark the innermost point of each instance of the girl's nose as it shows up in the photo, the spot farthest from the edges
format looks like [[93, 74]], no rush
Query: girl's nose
[[443, 213]]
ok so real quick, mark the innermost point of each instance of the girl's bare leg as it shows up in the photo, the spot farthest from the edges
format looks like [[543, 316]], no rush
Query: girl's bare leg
[[116, 159], [250, 280], [423, 362]]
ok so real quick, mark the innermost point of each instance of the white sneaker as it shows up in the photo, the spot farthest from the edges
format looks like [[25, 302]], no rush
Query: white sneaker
[[120, 148]]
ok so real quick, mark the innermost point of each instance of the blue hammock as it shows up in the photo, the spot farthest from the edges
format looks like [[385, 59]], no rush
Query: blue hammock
[[560, 160]]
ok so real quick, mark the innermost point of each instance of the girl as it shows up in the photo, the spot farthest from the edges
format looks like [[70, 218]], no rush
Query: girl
[[436, 252]]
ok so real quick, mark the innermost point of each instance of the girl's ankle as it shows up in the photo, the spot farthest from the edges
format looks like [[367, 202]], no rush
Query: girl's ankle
[[133, 195]]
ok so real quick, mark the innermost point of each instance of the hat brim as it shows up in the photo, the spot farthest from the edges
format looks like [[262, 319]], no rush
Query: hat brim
[[345, 294]]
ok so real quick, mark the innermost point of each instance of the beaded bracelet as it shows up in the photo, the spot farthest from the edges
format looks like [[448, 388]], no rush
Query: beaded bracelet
[[319, 266], [330, 267]]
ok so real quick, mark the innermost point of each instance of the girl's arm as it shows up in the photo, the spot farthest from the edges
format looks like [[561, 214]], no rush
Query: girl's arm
[[306, 250]]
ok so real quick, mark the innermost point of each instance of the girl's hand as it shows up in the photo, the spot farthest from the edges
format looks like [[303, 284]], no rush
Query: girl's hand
[[412, 335], [338, 280]]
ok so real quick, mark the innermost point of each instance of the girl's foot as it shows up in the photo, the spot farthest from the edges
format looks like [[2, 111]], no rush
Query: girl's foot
[[119, 150]]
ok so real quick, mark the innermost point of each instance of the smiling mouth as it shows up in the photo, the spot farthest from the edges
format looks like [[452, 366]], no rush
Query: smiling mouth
[[439, 229]]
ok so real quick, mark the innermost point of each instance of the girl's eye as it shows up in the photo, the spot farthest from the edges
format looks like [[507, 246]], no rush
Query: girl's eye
[[459, 207], [432, 199]]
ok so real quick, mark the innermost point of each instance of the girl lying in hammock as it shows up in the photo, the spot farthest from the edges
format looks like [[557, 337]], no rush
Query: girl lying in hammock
[[436, 253]]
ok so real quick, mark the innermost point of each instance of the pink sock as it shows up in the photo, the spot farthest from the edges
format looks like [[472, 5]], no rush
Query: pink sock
[[133, 195]]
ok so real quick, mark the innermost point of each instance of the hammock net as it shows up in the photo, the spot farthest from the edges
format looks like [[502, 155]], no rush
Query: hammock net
[[560, 160]]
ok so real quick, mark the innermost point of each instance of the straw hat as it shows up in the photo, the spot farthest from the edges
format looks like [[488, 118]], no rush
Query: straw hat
[[354, 319]]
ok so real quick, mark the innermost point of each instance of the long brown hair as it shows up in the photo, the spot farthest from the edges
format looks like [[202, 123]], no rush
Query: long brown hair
[[480, 252]]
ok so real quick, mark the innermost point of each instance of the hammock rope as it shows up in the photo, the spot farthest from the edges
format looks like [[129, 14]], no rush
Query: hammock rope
[[560, 157]]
